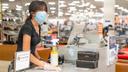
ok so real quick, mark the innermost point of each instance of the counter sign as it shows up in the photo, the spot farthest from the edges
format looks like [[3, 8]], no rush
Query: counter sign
[[22, 60]]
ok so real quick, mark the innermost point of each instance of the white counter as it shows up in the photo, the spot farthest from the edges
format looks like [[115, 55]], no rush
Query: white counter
[[67, 68]]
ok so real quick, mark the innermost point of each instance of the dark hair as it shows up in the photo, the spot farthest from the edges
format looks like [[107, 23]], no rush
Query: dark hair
[[36, 6], [110, 25]]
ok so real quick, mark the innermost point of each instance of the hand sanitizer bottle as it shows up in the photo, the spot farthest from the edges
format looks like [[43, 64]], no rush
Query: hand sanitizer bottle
[[54, 53]]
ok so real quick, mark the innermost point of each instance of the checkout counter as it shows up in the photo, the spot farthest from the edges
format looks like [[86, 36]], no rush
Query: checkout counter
[[71, 67], [92, 45], [67, 67]]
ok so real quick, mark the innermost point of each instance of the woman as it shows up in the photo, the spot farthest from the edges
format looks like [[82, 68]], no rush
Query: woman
[[29, 35]]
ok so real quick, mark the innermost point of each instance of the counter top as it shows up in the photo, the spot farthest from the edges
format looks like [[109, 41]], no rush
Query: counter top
[[66, 68]]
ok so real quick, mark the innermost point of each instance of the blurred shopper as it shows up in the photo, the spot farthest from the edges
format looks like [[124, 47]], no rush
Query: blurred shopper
[[29, 35], [105, 32]]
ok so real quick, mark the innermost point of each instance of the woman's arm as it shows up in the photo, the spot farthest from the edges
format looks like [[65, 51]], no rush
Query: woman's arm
[[33, 59], [26, 47]]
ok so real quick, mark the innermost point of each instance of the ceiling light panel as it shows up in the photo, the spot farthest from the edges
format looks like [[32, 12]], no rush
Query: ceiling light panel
[[27, 4], [121, 8], [18, 6], [76, 2], [5, 7], [53, 12], [52, 3], [52, 8], [116, 6], [18, 9], [62, 2], [11, 0], [87, 4], [62, 5], [4, 4], [99, 0]]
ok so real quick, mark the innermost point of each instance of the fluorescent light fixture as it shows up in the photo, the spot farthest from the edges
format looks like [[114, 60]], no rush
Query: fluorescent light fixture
[[52, 8], [85, 11], [17, 6], [27, 4], [11, 0], [121, 8], [53, 12], [87, 4], [4, 4], [5, 7], [92, 6], [117, 6], [81, 10], [97, 14], [62, 5], [72, 8], [18, 9], [80, 5], [125, 10], [62, 2], [76, 2], [99, 0], [52, 3]]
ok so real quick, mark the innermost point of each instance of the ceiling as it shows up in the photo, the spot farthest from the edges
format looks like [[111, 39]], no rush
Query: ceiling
[[121, 7], [79, 6], [12, 5], [66, 8]]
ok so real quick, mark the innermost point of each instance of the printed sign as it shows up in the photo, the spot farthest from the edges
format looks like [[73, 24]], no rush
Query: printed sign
[[112, 50], [22, 60]]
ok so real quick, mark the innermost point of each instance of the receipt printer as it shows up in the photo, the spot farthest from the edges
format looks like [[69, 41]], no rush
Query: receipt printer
[[87, 59]]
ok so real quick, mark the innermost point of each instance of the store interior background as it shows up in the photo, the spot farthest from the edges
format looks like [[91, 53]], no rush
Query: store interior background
[[81, 17], [63, 9], [89, 11]]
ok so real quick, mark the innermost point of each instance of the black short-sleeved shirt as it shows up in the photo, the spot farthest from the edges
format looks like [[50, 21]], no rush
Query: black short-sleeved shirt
[[28, 29]]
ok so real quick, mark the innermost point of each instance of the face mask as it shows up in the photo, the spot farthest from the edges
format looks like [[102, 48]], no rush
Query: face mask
[[41, 17]]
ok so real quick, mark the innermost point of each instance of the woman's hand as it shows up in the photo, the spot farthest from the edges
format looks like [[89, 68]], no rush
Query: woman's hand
[[48, 66]]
